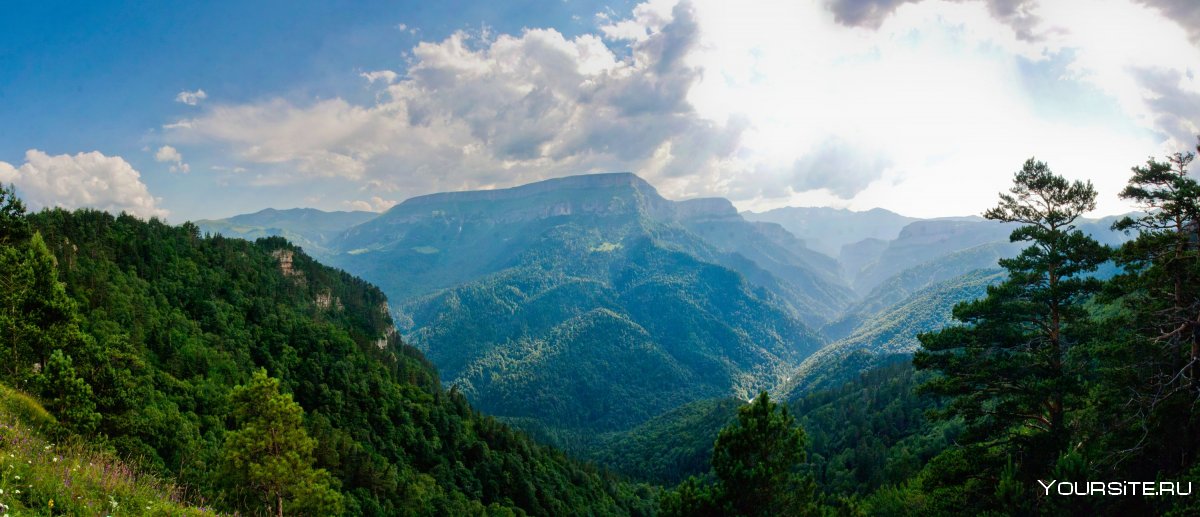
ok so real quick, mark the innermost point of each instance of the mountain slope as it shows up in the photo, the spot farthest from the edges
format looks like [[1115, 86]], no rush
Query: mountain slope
[[604, 352], [41, 475], [906, 283], [889, 332], [926, 240], [806, 279], [169, 321]]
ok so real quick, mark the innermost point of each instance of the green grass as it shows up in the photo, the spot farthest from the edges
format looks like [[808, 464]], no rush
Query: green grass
[[38, 477]]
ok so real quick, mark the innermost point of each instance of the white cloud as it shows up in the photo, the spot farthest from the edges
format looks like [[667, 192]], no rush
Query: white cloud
[[375, 204], [926, 111], [387, 76], [191, 98], [168, 154], [625, 30], [477, 112], [951, 96], [92, 179]]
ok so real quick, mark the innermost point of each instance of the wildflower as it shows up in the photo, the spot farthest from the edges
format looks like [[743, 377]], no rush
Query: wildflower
[[56, 459], [51, 504]]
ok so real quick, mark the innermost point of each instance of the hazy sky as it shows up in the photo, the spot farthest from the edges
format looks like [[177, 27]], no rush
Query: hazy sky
[[924, 107]]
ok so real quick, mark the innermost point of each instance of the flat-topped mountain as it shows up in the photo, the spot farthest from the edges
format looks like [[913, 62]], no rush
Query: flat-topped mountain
[[617, 193], [591, 302], [449, 238]]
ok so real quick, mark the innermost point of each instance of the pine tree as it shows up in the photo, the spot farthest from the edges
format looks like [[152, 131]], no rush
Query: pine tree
[[1157, 359], [14, 227], [271, 455], [1162, 263], [758, 463], [1009, 370], [759, 460]]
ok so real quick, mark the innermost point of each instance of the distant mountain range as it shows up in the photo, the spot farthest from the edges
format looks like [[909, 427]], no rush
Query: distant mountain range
[[308, 228], [591, 304], [827, 230]]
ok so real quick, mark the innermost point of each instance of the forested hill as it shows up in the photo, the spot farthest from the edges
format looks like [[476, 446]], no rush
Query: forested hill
[[135, 335]]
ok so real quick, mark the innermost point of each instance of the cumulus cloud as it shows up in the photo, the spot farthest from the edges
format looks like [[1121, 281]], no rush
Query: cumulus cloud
[[168, 154], [191, 98], [92, 180], [479, 111]]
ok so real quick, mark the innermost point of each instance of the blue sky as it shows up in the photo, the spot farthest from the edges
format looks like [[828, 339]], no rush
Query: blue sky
[[921, 106]]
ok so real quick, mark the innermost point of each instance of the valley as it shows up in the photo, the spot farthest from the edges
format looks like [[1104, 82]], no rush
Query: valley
[[590, 305]]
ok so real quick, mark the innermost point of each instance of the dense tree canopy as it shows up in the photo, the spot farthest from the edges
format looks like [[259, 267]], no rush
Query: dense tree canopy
[[135, 334]]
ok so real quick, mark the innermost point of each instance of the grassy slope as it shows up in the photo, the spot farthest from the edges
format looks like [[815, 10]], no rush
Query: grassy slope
[[39, 477]]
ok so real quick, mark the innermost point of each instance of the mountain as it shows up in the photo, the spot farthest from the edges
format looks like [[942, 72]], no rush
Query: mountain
[[887, 333], [828, 229], [136, 334], [309, 228], [808, 280], [922, 241], [906, 283], [591, 303], [450, 238]]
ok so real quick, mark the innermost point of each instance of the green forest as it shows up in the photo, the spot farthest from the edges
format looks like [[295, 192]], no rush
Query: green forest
[[250, 377], [223, 375]]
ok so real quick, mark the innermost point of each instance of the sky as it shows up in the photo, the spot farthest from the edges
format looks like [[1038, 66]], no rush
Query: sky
[[189, 110]]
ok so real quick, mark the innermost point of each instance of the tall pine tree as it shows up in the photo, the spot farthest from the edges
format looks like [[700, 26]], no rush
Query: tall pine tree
[[1008, 370]]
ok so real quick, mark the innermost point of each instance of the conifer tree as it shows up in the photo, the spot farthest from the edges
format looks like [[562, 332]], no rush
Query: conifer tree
[[759, 459], [758, 462], [13, 225], [1157, 359], [271, 454], [1008, 370]]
